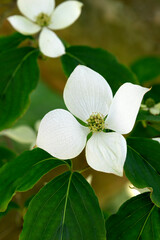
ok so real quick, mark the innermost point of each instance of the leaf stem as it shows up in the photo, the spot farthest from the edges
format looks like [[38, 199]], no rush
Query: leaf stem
[[65, 206], [84, 169]]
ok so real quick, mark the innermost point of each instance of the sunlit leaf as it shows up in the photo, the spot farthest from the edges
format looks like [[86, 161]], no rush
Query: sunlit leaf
[[66, 208]]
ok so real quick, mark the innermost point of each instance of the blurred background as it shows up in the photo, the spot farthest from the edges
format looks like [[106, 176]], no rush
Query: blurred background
[[129, 29]]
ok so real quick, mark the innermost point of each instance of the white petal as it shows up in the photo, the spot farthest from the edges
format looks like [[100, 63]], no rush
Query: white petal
[[23, 25], [50, 45], [61, 135], [65, 14], [106, 152], [32, 8], [124, 108], [86, 91]]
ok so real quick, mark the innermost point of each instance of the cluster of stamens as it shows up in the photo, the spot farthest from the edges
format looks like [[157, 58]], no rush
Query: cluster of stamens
[[43, 20], [96, 122]]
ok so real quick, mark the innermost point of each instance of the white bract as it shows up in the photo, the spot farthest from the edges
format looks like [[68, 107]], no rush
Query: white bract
[[88, 96], [41, 15]]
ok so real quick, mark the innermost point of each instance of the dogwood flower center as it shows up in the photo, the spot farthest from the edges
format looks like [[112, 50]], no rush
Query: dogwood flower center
[[43, 20], [96, 122]]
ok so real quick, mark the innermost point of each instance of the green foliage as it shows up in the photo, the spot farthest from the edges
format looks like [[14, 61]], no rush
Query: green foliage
[[99, 60], [146, 69], [19, 75], [153, 93], [141, 131], [138, 218], [142, 173], [66, 208], [6, 155], [41, 105], [148, 149], [11, 41], [22, 173], [147, 116]]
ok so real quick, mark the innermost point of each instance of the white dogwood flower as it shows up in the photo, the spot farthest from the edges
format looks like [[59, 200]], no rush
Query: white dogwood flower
[[88, 96], [41, 15]]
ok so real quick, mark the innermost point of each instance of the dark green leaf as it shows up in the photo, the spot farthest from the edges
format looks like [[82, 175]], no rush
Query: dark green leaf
[[142, 174], [148, 149], [64, 209], [11, 41], [147, 116], [138, 218], [6, 155], [146, 69], [22, 173], [19, 75], [11, 206], [99, 60], [153, 93], [156, 126], [144, 131]]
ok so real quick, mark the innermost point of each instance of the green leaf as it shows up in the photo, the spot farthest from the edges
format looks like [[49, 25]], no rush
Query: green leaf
[[19, 75], [138, 218], [146, 69], [142, 174], [153, 93], [11, 206], [99, 60], [141, 131], [34, 113], [11, 41], [147, 116], [66, 208], [22, 173], [6, 155], [148, 149]]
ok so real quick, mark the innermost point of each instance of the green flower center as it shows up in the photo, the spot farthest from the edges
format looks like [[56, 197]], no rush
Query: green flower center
[[43, 20], [96, 122]]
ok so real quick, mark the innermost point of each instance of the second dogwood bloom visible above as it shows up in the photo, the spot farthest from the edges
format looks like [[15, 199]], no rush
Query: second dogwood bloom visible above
[[88, 96], [42, 15]]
